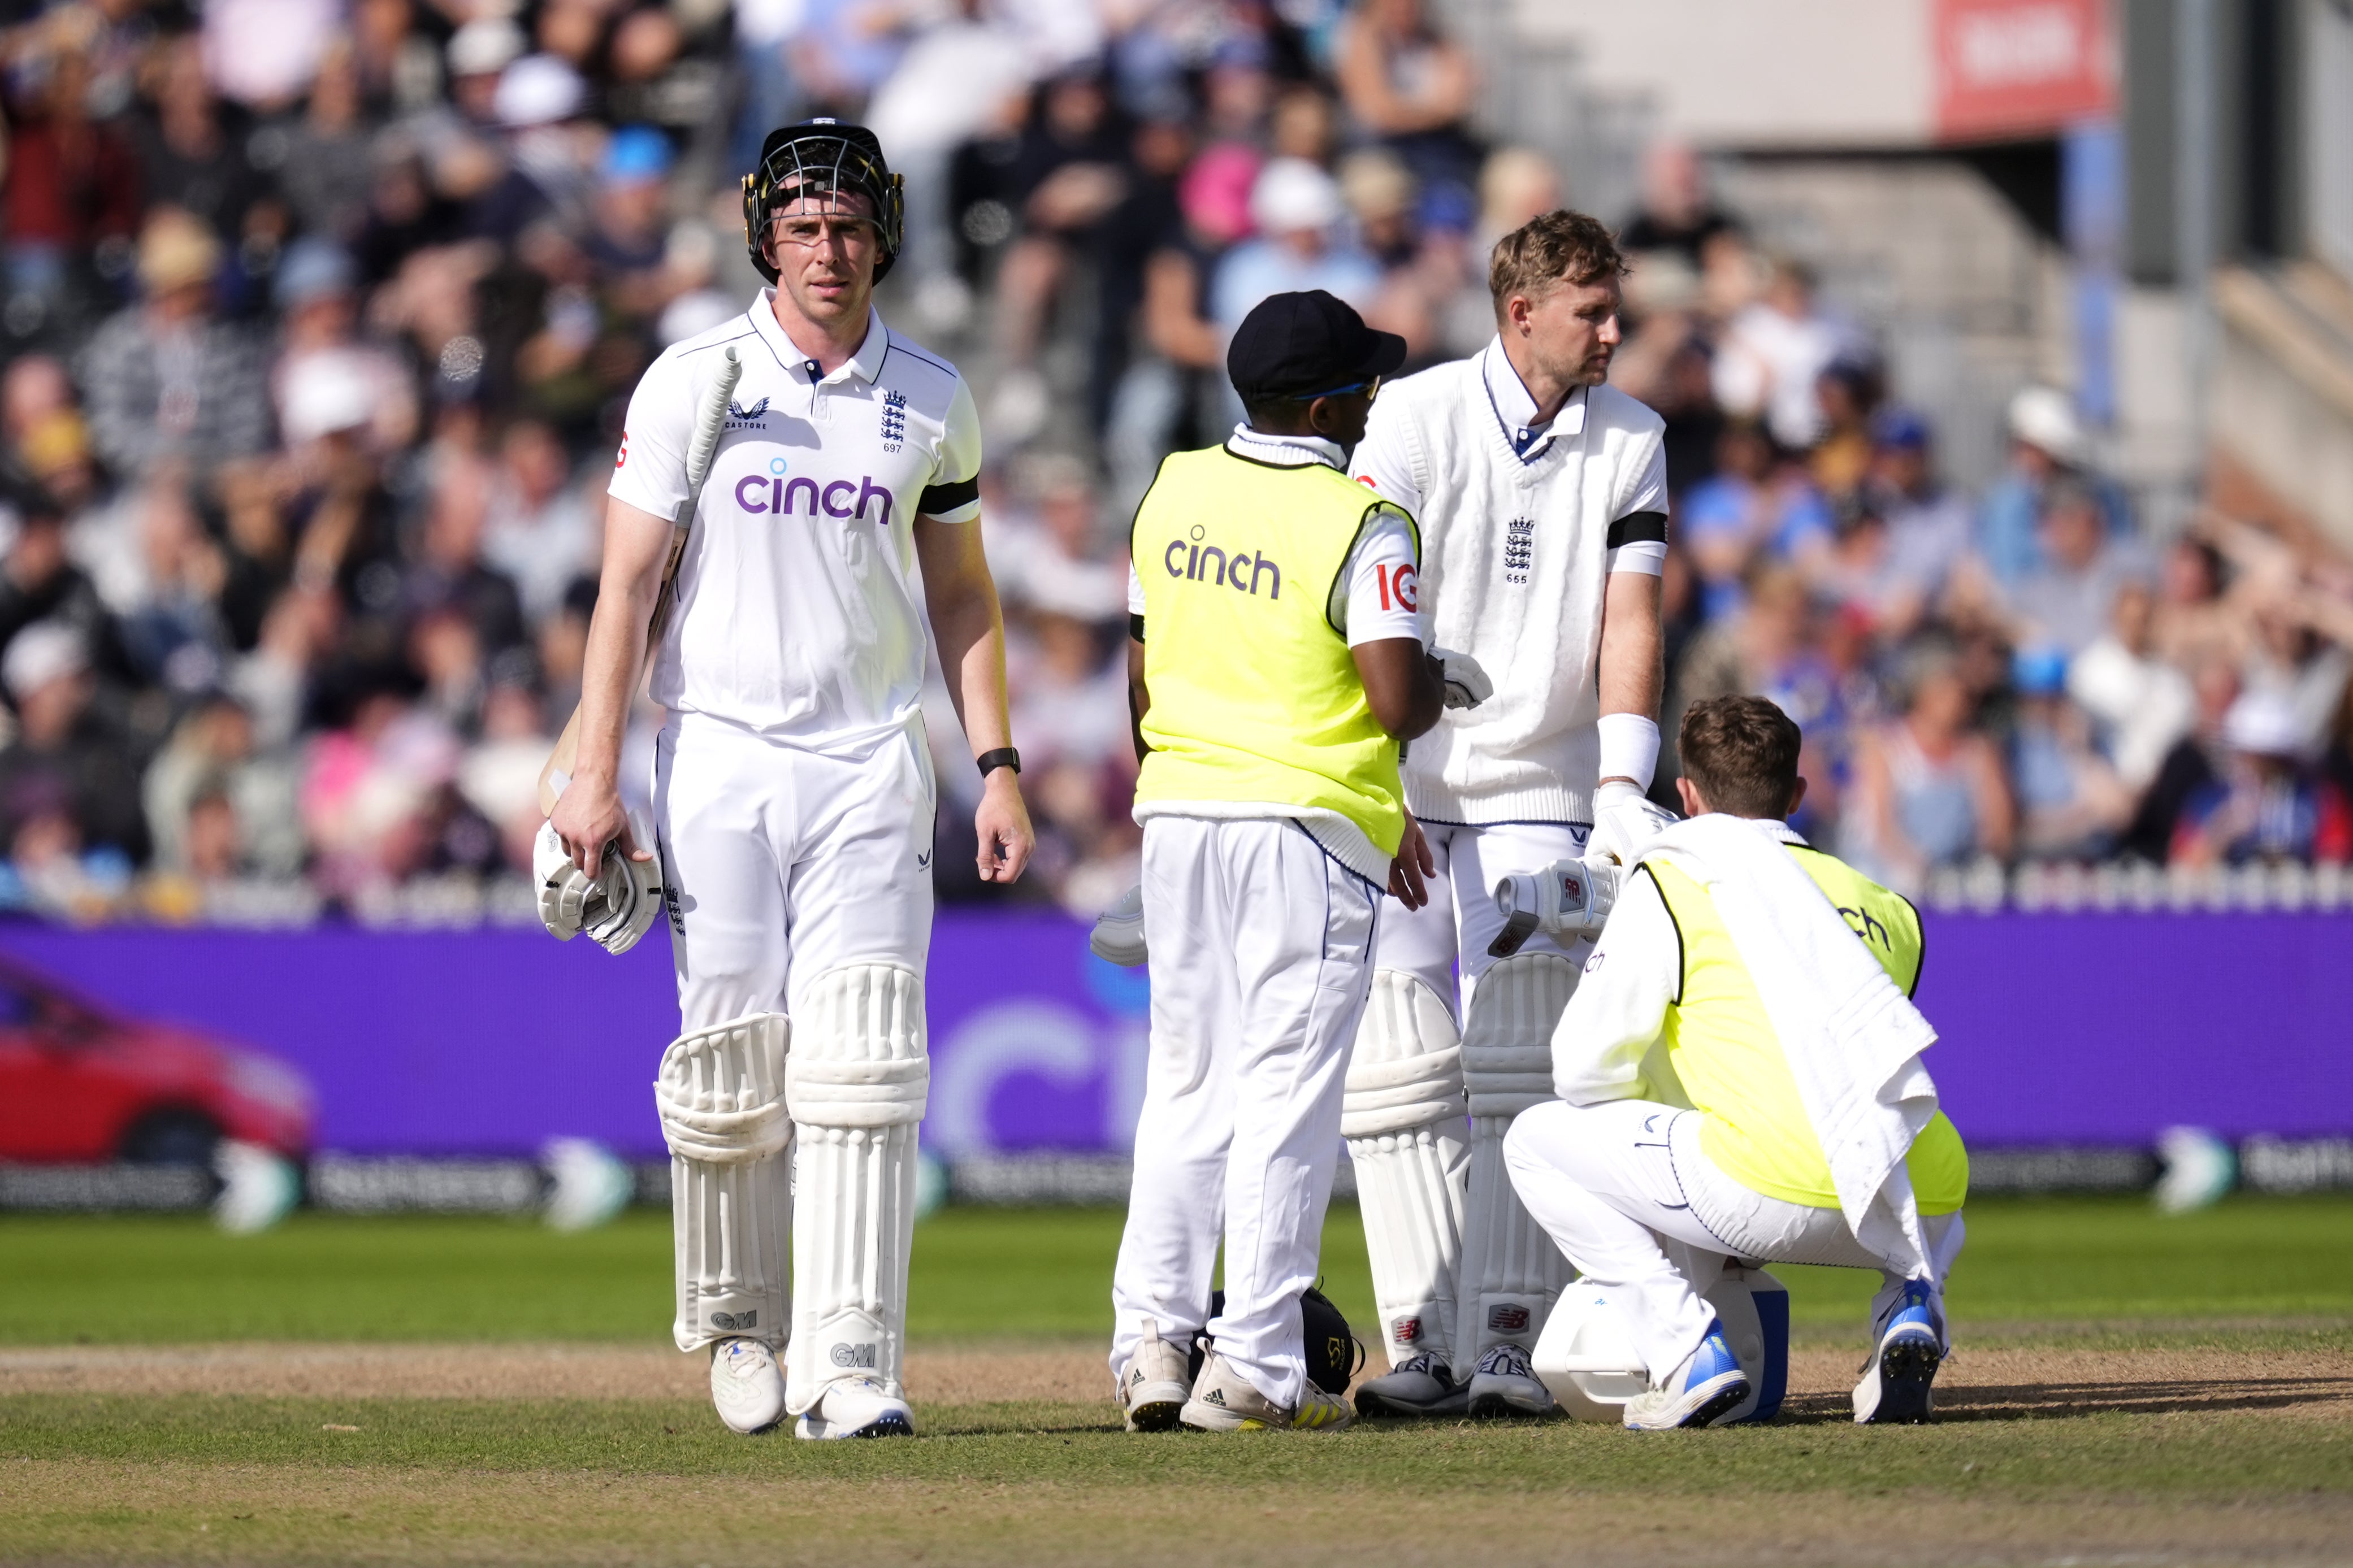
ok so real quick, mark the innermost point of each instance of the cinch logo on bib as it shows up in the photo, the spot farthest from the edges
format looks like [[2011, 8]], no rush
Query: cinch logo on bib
[[1198, 562]]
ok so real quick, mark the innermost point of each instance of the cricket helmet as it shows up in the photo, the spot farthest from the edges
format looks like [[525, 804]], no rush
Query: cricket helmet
[[823, 156]]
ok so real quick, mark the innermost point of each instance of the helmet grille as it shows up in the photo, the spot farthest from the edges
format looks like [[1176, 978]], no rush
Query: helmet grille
[[822, 158]]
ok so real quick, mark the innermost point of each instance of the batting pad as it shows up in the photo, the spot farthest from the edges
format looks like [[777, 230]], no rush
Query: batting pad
[[1402, 1113], [1511, 1272], [720, 1098], [856, 1083]]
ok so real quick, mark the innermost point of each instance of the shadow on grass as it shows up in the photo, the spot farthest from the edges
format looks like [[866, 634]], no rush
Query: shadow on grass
[[2046, 1401]]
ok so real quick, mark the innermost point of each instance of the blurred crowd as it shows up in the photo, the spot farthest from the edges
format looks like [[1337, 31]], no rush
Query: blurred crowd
[[319, 316]]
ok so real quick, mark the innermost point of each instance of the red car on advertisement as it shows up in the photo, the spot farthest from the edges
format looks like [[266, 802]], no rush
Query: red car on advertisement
[[83, 1085]]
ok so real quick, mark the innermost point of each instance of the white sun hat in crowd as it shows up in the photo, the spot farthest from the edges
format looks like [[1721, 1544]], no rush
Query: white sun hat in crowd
[[485, 46], [538, 90], [2045, 419], [327, 391], [41, 653], [1292, 195], [2265, 723]]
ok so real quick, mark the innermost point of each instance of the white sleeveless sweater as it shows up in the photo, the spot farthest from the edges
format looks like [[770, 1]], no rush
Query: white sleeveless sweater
[[1512, 571]]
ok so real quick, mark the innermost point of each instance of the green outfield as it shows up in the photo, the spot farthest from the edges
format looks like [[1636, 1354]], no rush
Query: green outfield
[[2129, 1388], [1034, 1273]]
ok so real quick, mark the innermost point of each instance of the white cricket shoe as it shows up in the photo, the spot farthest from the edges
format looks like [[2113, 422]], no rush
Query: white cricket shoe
[[1506, 1385], [1154, 1386], [1225, 1401], [856, 1408], [747, 1387]]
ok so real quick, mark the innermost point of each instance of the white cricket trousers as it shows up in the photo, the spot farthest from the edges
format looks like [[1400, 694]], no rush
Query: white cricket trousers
[[1636, 1203], [782, 864], [1261, 950], [1429, 942]]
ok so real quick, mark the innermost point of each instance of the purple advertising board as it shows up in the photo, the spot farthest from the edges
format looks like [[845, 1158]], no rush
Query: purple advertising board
[[2074, 1029]]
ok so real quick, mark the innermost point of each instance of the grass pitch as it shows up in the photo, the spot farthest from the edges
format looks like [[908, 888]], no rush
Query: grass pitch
[[1038, 1274], [2127, 1388]]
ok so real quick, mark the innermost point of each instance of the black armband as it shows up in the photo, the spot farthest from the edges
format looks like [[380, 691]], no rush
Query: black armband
[[1638, 528], [940, 499]]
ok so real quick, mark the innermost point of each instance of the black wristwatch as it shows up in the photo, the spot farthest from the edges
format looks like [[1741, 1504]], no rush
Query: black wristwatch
[[1003, 757]]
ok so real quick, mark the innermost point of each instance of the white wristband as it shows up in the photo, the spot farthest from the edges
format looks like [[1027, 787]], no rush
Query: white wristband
[[1629, 747]]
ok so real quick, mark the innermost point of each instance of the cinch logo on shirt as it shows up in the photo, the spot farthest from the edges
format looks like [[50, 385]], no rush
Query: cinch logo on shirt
[[775, 493], [1199, 563]]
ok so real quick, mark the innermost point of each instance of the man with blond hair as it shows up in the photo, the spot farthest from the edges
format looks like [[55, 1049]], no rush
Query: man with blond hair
[[1541, 498]]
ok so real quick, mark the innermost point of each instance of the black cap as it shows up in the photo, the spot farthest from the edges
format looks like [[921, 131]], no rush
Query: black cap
[[1294, 346]]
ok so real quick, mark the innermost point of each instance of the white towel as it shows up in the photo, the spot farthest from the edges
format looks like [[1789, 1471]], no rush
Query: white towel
[[1852, 1038]]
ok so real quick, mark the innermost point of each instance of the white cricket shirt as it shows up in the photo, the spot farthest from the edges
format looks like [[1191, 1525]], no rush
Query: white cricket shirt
[[799, 614], [1522, 525]]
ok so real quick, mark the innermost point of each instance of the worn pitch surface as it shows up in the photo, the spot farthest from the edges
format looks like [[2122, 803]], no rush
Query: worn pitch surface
[[2125, 1390]]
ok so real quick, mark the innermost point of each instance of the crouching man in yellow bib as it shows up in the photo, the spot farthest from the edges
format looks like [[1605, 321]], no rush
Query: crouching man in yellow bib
[[1740, 1080]]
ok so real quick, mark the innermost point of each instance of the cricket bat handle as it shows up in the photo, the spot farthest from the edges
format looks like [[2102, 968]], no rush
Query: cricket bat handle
[[709, 425]]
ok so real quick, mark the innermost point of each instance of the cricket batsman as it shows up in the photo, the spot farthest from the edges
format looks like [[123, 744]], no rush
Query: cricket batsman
[[1739, 1077], [793, 790], [1276, 665], [1541, 498]]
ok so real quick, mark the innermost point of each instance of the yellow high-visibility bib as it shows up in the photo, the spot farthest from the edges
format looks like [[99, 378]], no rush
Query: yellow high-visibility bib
[[1722, 1045], [1255, 696]]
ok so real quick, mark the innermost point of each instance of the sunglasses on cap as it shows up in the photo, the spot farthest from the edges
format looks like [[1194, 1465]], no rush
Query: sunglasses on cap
[[1371, 389]]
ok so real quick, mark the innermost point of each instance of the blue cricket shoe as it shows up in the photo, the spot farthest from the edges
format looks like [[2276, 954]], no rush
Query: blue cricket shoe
[[1708, 1386], [1897, 1380]]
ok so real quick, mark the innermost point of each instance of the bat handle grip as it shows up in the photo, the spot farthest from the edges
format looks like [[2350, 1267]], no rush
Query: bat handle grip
[[708, 428]]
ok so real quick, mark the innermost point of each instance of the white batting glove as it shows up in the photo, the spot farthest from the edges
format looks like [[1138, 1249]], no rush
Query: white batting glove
[[1118, 936], [1567, 900], [1467, 685], [628, 894], [564, 888], [1625, 820]]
